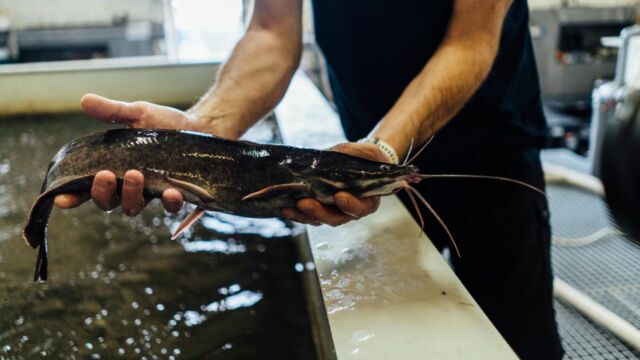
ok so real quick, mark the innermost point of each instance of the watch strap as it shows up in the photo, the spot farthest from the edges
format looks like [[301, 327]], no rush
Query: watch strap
[[388, 150]]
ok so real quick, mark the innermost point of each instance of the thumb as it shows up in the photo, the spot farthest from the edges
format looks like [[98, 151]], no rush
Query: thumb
[[111, 111]]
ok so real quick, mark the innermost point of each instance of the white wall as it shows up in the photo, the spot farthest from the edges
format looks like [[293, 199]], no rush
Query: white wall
[[50, 13]]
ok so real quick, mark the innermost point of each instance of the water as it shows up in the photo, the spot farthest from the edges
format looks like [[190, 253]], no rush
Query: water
[[119, 287]]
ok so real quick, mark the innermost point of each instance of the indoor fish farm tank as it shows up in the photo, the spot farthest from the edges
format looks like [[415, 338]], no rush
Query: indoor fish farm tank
[[228, 288]]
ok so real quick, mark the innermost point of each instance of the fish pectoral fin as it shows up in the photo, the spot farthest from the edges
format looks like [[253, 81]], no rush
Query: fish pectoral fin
[[199, 191], [277, 190], [187, 222]]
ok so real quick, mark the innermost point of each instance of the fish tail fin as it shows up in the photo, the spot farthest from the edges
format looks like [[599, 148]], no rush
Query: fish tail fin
[[35, 232], [42, 263]]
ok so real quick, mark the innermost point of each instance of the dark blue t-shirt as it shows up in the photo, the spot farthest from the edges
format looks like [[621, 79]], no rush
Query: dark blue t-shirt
[[375, 48]]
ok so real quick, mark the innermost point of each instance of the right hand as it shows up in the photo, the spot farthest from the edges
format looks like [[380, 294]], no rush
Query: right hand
[[348, 207], [135, 115]]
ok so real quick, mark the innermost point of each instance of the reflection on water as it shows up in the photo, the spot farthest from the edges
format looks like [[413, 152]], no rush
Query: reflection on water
[[119, 287]]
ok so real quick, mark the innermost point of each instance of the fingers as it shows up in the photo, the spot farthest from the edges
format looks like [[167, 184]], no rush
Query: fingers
[[172, 200], [103, 190], [315, 211], [68, 201], [104, 194], [354, 206], [310, 211], [132, 201], [111, 111], [296, 215]]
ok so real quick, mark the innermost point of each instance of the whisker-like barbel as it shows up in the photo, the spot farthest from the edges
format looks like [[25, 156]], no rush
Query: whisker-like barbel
[[484, 177], [416, 207], [438, 218], [424, 146]]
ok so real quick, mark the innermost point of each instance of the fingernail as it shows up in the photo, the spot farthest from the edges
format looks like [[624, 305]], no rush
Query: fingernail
[[129, 182], [342, 201], [62, 200], [286, 212], [131, 212], [307, 208], [356, 217]]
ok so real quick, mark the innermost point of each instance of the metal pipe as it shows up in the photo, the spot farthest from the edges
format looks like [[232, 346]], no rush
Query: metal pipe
[[560, 174], [597, 313]]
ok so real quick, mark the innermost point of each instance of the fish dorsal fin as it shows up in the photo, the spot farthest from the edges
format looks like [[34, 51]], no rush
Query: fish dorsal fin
[[199, 191], [277, 190], [187, 222]]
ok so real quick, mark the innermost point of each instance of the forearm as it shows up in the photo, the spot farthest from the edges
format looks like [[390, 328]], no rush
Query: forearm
[[249, 85], [450, 78], [256, 75], [446, 83]]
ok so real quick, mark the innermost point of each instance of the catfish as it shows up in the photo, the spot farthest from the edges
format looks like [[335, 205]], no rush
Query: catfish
[[235, 177]]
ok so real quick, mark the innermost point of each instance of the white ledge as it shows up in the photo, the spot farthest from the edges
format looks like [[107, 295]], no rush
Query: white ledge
[[57, 86], [388, 293]]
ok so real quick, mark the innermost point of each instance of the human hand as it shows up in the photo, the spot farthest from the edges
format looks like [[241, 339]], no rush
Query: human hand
[[103, 193], [348, 207], [134, 115], [137, 114]]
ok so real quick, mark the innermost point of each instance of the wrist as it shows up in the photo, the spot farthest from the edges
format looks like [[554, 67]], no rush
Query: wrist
[[397, 133], [387, 149], [214, 122]]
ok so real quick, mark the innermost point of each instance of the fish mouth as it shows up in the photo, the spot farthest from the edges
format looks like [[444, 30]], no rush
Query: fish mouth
[[409, 174], [412, 178], [401, 179], [388, 188]]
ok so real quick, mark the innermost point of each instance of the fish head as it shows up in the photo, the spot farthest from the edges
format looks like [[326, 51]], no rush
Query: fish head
[[360, 177], [387, 179]]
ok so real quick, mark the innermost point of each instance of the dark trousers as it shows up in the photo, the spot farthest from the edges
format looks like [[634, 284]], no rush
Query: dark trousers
[[503, 234]]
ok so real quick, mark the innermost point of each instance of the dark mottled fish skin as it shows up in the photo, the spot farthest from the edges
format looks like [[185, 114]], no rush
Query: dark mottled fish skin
[[213, 173]]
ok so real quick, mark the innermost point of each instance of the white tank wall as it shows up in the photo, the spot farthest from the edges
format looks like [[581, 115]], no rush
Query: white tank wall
[[57, 13]]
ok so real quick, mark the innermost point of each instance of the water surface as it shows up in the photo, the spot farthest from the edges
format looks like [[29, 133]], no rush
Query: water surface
[[230, 288]]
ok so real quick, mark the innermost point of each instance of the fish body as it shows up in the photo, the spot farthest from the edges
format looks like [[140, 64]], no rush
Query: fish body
[[236, 177]]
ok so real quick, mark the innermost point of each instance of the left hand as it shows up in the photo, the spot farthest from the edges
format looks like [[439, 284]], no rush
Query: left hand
[[137, 114], [348, 207]]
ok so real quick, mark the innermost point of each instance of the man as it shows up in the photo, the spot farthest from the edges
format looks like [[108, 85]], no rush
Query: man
[[460, 69]]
